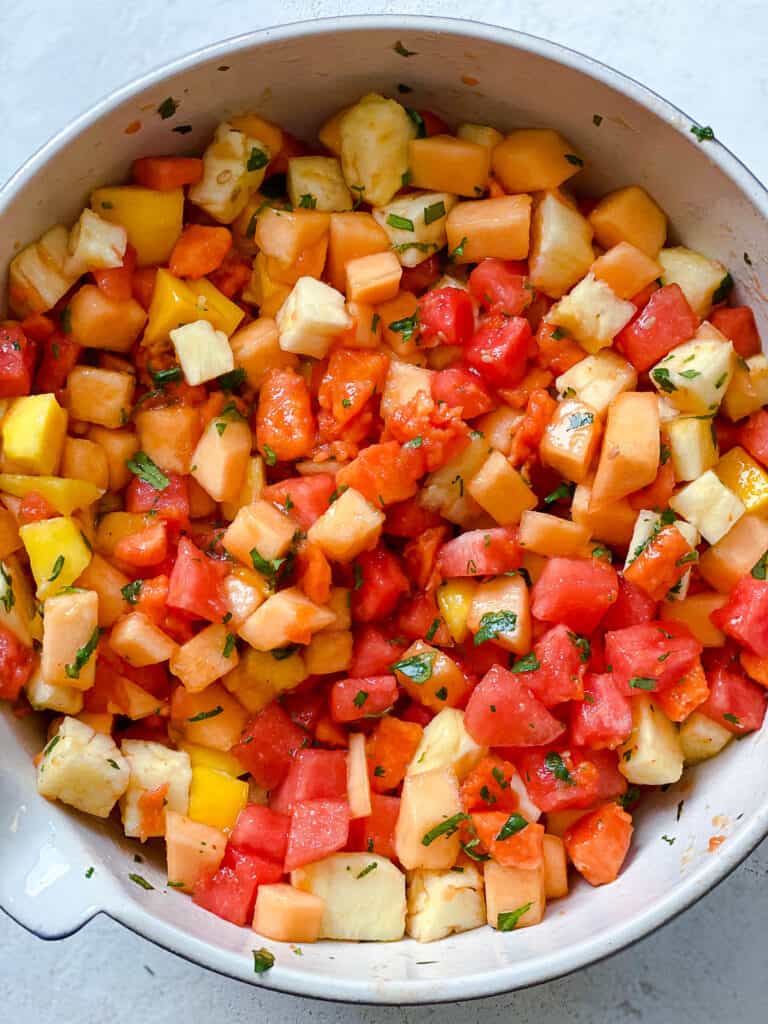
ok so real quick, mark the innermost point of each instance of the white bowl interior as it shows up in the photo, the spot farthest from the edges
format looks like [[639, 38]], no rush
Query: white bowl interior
[[299, 75]]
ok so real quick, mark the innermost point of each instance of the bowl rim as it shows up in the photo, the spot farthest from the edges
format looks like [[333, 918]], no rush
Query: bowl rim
[[559, 962]]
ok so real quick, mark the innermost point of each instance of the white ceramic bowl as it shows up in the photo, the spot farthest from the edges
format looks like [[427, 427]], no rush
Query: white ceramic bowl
[[298, 75]]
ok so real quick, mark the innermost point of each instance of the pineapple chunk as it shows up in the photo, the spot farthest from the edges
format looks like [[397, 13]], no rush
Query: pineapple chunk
[[630, 215], [375, 133], [45, 696], [358, 783], [571, 440], [260, 677], [261, 528], [443, 163], [498, 227], [348, 527], [629, 457], [653, 755], [549, 535], [33, 432], [746, 478], [703, 281], [561, 245], [203, 352], [454, 599], [482, 134], [39, 276], [153, 219], [70, 636], [153, 765], [222, 456], [445, 743], [709, 506], [415, 224], [362, 903], [206, 657], [402, 383], [233, 169], [510, 890], [311, 317], [696, 374], [693, 446], [441, 903], [597, 380], [57, 552], [501, 491], [287, 617], [740, 549], [137, 639], [748, 389], [702, 738], [592, 313], [100, 396], [431, 810], [504, 594], [317, 183], [535, 159], [95, 244], [83, 768]]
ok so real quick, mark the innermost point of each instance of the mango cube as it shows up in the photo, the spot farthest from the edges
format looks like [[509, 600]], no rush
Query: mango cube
[[501, 491], [152, 219], [57, 553], [454, 600], [176, 302], [746, 478], [216, 798], [65, 495], [33, 434]]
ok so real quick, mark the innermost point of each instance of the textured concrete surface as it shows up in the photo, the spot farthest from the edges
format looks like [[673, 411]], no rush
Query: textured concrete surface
[[56, 58]]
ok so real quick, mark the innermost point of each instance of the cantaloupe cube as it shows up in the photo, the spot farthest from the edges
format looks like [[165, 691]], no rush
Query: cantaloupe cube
[[287, 617], [501, 491], [748, 389], [349, 526], [352, 235], [555, 868], [702, 738], [499, 427], [70, 635], [169, 436], [316, 182], [329, 652], [82, 459], [597, 380], [445, 743], [558, 822], [260, 677], [561, 245], [734, 555], [374, 136], [534, 159], [208, 656], [699, 278], [262, 528], [120, 445], [339, 603], [374, 278], [365, 331], [708, 505], [100, 322], [694, 612], [504, 594], [220, 460], [630, 215], [100, 721], [509, 891], [430, 676], [193, 851], [571, 439], [441, 903], [402, 383], [629, 458], [551, 536], [137, 639], [33, 433], [626, 269], [431, 810], [286, 914], [443, 163], [57, 552], [652, 756], [216, 798], [499, 228], [397, 311], [256, 349], [211, 718], [592, 314], [152, 219], [358, 783]]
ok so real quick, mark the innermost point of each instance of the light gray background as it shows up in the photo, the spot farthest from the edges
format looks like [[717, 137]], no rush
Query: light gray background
[[56, 58]]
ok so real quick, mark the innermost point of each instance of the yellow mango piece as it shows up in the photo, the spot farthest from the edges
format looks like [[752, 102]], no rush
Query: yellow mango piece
[[455, 600], [33, 434], [175, 303], [152, 219], [216, 798], [260, 677], [216, 760], [262, 290], [57, 553], [9, 534], [65, 495], [746, 478]]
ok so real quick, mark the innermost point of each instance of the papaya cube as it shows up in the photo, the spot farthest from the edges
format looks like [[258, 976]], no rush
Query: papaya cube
[[534, 159], [507, 594], [70, 634], [287, 617], [202, 351], [220, 460], [33, 432], [256, 350], [507, 890], [373, 278], [193, 850], [630, 215], [286, 914], [442, 163], [261, 528], [626, 269], [206, 657], [501, 491], [571, 439], [348, 527], [592, 314], [629, 458], [137, 639], [57, 552], [709, 506], [732, 557], [104, 397], [216, 798], [498, 227]]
